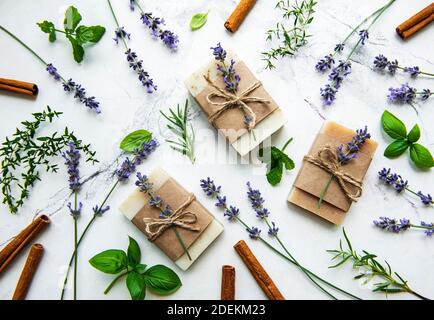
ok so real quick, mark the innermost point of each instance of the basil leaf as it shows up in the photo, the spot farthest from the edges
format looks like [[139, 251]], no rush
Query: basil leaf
[[135, 140], [72, 18], [85, 34], [77, 49], [394, 127], [136, 286], [133, 253], [414, 134], [48, 27], [110, 261], [140, 268], [198, 20], [396, 148], [421, 156], [162, 280]]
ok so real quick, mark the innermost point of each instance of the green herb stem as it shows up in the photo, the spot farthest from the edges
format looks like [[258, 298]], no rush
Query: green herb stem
[[75, 245], [324, 191], [119, 276], [184, 247], [287, 143], [117, 23], [91, 221]]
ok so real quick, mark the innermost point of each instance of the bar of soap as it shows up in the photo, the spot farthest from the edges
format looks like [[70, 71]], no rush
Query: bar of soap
[[136, 201], [312, 179], [196, 83]]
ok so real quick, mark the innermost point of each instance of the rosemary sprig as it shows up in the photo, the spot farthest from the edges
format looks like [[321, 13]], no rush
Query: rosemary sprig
[[178, 124], [391, 282], [300, 16], [23, 154]]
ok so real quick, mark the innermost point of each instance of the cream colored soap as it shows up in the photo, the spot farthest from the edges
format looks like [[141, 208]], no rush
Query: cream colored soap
[[136, 201]]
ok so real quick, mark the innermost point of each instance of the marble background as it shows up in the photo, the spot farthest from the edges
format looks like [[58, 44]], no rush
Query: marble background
[[294, 85]]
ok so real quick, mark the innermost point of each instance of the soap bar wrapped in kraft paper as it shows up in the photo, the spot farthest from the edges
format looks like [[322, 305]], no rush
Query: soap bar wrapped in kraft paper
[[171, 217], [245, 117], [333, 171]]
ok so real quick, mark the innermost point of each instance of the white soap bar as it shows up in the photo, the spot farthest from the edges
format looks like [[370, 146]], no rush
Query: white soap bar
[[135, 202], [196, 83]]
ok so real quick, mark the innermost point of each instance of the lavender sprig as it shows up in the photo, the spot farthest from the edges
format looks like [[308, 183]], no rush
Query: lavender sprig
[[407, 94], [134, 62], [68, 86], [399, 184], [156, 201], [233, 214], [346, 154], [382, 63], [404, 224], [230, 77], [340, 71]]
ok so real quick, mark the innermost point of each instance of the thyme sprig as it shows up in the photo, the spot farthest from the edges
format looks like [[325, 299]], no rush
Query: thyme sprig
[[299, 16], [23, 154], [180, 126], [391, 282]]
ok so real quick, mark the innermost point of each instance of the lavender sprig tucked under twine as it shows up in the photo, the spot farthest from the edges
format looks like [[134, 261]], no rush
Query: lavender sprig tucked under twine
[[404, 224], [134, 62], [345, 156], [233, 214], [156, 201], [342, 69], [230, 77], [122, 173], [68, 86], [155, 24], [400, 185]]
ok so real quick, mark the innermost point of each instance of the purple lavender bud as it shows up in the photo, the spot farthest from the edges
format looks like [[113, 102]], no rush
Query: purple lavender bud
[[426, 199], [257, 202], [221, 202], [69, 85], [126, 168], [100, 211], [413, 71], [426, 93], [339, 47], [403, 94], [326, 63], [231, 212], [219, 53], [169, 38], [363, 36], [254, 232], [52, 70], [166, 213], [72, 161], [428, 232], [392, 66], [392, 225], [155, 200], [75, 213], [381, 62], [273, 230], [209, 187], [132, 4], [143, 76], [120, 33], [143, 182], [328, 94]]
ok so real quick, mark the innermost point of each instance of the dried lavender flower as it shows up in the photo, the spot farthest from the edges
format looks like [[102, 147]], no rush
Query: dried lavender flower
[[121, 34], [99, 211], [407, 94], [230, 77], [381, 63], [395, 226], [219, 53], [353, 147], [254, 232], [72, 161], [75, 212], [170, 39], [326, 63], [210, 189], [364, 35]]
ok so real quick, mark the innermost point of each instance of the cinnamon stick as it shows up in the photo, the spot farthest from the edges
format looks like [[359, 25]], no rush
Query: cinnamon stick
[[28, 272], [416, 23], [17, 86], [258, 272], [239, 14], [228, 283], [21, 240]]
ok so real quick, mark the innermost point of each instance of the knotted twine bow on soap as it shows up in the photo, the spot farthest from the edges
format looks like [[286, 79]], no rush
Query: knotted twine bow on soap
[[328, 160], [154, 227], [232, 101]]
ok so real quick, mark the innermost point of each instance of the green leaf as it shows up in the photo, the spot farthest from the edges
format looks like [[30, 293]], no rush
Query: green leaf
[[287, 161], [162, 280], [421, 156], [198, 20], [110, 261], [72, 18], [274, 176], [48, 27], [414, 134], [135, 140], [77, 49], [85, 34], [394, 127], [276, 161], [396, 148], [136, 286], [133, 253], [140, 268]]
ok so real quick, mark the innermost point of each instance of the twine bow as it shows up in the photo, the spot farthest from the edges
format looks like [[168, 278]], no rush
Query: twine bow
[[155, 227], [233, 100], [328, 160]]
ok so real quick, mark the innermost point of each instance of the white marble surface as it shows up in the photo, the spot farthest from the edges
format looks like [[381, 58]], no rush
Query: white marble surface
[[294, 85]]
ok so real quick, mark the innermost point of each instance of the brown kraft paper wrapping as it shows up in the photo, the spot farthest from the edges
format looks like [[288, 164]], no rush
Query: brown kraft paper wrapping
[[173, 194], [312, 179], [232, 120]]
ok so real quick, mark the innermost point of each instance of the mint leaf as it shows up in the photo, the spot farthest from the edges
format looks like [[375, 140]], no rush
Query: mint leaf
[[274, 176], [140, 268], [77, 49], [85, 34], [287, 161], [414, 134], [136, 286], [72, 19], [110, 261], [135, 140], [394, 127], [198, 20], [396, 148], [48, 27], [276, 160], [162, 280], [133, 253], [421, 156]]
